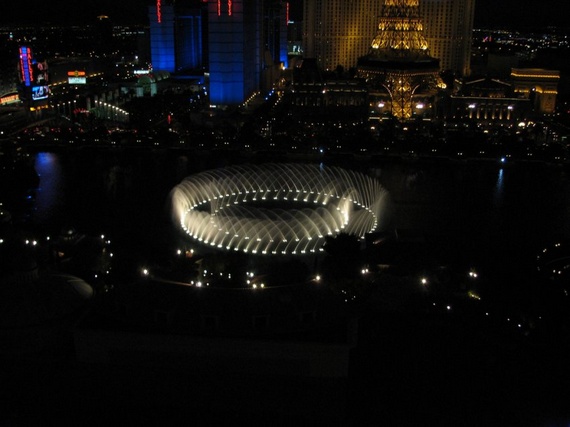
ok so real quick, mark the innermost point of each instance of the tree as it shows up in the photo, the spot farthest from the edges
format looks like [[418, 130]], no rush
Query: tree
[[343, 257]]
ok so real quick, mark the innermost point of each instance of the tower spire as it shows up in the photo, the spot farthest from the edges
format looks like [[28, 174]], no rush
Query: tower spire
[[399, 69], [400, 29]]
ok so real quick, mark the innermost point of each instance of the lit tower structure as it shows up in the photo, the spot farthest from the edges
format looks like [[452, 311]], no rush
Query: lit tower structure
[[162, 42], [401, 74], [176, 35], [246, 38], [234, 49], [34, 80]]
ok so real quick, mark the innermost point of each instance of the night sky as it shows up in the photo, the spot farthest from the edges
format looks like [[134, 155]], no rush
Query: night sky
[[489, 13]]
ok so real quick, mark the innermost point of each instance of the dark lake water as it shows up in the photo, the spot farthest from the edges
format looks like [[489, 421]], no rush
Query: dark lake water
[[489, 216], [495, 219]]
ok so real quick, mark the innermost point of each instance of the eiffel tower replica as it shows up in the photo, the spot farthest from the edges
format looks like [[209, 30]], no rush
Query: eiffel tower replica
[[400, 72]]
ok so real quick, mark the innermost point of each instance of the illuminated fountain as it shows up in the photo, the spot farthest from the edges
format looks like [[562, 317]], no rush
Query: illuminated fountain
[[276, 209]]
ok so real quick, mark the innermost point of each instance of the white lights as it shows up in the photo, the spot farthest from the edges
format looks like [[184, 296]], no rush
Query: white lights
[[229, 207]]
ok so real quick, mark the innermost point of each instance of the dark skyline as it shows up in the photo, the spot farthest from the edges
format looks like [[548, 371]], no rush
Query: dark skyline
[[488, 13], [520, 14]]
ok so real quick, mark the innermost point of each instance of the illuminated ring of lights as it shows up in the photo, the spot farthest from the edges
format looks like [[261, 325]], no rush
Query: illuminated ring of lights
[[224, 208]]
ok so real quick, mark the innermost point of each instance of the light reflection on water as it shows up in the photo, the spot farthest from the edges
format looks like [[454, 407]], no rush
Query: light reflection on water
[[499, 188], [51, 191], [472, 209]]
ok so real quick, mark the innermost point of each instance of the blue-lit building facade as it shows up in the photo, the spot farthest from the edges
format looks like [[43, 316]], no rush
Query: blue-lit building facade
[[162, 45], [247, 46], [241, 44], [234, 50], [176, 37], [189, 34]]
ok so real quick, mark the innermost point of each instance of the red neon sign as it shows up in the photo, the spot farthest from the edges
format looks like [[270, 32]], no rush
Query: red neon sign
[[287, 8], [159, 11], [26, 65], [25, 76], [230, 7]]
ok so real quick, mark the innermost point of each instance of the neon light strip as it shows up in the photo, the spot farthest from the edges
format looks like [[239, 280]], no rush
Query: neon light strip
[[287, 8], [26, 66], [536, 76], [159, 11], [230, 7], [219, 7], [22, 68], [30, 69]]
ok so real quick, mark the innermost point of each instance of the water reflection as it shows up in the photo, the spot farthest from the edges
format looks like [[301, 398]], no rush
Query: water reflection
[[499, 188], [49, 195], [465, 208]]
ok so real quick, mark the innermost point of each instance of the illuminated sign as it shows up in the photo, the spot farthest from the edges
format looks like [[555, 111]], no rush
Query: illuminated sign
[[287, 13], [77, 80], [41, 70], [39, 92], [26, 70], [76, 73], [9, 99], [141, 72], [230, 7], [159, 11]]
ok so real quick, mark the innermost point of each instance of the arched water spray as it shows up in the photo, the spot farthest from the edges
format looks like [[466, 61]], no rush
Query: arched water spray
[[276, 209]]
